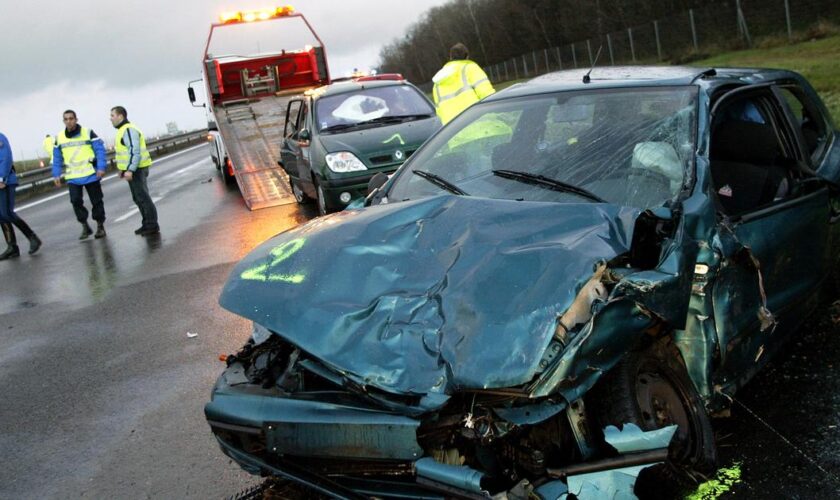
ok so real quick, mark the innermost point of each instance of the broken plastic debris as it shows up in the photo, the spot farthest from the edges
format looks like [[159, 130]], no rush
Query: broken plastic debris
[[616, 484], [192, 335], [632, 438]]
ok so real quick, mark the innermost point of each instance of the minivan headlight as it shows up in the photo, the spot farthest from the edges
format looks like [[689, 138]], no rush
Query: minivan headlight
[[344, 161]]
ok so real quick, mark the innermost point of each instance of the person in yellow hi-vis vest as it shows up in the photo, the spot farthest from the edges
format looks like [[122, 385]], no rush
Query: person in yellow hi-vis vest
[[133, 161], [48, 144], [80, 155], [459, 84]]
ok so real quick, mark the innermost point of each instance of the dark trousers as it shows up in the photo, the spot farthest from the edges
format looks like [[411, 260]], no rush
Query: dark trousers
[[94, 190], [7, 204], [8, 215], [140, 194]]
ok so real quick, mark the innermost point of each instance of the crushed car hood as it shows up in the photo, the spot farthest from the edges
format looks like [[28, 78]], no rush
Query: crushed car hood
[[430, 295]]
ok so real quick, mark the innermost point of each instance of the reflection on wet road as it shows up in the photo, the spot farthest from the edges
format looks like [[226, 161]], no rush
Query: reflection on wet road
[[204, 221]]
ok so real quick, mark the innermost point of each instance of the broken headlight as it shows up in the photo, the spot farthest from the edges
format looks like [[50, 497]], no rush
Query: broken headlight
[[260, 334]]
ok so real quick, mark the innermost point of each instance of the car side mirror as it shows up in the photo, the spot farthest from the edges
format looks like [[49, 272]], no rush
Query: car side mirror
[[304, 136], [376, 182]]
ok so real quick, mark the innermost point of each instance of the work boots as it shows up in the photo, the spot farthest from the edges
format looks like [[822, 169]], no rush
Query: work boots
[[86, 231], [34, 240], [100, 230], [11, 242]]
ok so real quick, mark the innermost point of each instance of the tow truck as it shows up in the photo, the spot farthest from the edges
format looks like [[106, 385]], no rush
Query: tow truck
[[251, 69]]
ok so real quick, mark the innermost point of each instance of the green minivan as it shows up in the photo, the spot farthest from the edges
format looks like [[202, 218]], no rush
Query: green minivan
[[339, 136]]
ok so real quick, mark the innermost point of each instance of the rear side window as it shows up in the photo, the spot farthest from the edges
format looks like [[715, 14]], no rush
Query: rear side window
[[808, 120]]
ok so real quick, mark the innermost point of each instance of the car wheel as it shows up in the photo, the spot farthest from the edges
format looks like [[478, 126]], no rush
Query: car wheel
[[323, 208], [300, 196], [651, 388]]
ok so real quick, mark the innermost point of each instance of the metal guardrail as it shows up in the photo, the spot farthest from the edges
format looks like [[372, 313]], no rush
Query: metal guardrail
[[32, 179]]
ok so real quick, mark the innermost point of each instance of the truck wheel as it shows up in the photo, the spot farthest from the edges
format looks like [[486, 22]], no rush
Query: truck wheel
[[651, 388], [300, 196], [229, 179]]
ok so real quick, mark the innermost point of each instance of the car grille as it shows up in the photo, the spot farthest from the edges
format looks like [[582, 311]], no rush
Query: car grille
[[388, 158]]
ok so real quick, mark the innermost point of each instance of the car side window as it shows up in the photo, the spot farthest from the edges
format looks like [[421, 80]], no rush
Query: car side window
[[750, 165], [304, 116], [292, 113], [809, 120]]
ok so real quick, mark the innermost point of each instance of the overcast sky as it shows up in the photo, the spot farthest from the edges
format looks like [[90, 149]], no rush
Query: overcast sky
[[90, 55]]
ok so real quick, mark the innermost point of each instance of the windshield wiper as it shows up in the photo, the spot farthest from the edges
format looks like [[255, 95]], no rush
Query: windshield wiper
[[393, 119], [440, 182], [554, 184], [376, 121], [406, 118], [341, 126]]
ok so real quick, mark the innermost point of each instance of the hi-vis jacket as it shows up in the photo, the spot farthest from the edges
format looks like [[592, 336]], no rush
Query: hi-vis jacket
[[459, 85], [79, 153], [130, 148]]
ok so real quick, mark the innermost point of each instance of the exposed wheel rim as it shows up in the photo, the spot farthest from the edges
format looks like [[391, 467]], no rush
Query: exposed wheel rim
[[662, 403]]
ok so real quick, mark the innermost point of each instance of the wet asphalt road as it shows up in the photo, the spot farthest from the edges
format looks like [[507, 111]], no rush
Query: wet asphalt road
[[102, 390]]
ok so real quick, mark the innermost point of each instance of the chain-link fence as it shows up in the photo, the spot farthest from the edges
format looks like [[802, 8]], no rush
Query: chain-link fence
[[684, 37]]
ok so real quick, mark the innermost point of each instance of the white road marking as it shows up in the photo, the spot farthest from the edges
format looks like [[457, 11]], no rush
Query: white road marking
[[107, 178], [135, 211], [186, 169]]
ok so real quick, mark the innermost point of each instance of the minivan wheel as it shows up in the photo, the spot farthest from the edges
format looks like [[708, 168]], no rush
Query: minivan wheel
[[651, 388], [322, 200], [300, 197]]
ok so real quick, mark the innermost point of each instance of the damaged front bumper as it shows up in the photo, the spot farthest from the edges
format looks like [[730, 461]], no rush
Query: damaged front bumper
[[340, 444], [343, 448]]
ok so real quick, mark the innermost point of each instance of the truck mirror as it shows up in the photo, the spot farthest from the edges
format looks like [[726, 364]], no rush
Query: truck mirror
[[191, 93], [376, 182]]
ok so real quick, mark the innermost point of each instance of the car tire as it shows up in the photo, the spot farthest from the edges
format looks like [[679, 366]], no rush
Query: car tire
[[651, 388], [300, 196], [323, 207]]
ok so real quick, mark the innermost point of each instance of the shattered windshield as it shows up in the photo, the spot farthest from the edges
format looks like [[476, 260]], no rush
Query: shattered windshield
[[389, 104], [629, 146]]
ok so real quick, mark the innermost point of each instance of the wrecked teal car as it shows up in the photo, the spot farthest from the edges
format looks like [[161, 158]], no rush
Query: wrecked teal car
[[561, 261]]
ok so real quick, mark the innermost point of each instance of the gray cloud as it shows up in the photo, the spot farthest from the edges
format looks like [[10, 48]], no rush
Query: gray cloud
[[86, 46]]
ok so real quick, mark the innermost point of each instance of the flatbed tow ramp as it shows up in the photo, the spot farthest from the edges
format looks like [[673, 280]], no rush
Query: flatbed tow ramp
[[252, 131]]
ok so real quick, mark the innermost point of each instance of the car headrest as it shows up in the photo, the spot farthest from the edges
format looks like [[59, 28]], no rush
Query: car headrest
[[745, 142]]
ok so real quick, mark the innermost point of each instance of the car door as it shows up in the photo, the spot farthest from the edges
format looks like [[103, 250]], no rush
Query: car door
[[773, 230], [304, 138], [290, 151]]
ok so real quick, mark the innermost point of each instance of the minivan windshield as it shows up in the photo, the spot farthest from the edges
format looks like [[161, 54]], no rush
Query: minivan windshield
[[627, 146], [369, 106]]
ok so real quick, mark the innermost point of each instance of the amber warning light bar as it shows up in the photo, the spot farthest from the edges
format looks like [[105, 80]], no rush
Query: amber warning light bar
[[255, 15]]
